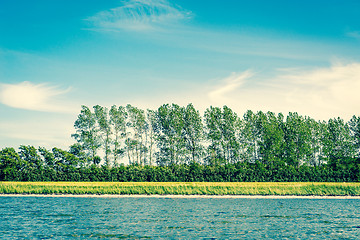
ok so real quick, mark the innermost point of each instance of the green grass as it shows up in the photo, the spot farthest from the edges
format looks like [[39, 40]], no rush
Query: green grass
[[183, 188]]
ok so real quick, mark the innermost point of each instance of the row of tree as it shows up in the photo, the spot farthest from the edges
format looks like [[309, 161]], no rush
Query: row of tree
[[176, 143], [175, 134], [31, 164]]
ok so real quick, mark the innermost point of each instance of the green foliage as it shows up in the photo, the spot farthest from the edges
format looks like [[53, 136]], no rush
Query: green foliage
[[250, 136], [220, 146], [338, 142], [354, 127], [87, 132], [169, 135], [10, 165], [272, 136], [60, 165], [118, 118], [173, 134], [221, 132], [193, 133], [137, 136], [104, 130]]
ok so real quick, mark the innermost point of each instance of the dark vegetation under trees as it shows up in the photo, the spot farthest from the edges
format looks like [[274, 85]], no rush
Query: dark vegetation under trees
[[175, 143]]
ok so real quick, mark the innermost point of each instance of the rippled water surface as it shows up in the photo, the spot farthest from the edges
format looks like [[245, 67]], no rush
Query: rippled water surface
[[178, 218]]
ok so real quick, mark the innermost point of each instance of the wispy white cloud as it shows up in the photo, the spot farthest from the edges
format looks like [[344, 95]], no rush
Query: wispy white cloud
[[330, 90], [166, 24], [228, 85], [140, 15], [321, 93], [30, 96]]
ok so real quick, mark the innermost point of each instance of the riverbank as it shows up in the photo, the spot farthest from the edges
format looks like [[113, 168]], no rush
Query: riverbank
[[183, 188], [178, 196]]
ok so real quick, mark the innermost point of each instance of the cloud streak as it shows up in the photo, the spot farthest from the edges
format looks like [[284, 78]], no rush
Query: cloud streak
[[228, 85], [334, 89], [39, 97], [140, 15], [167, 24], [321, 93]]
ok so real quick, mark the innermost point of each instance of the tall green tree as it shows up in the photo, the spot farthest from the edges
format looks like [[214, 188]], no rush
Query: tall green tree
[[193, 132], [229, 129], [297, 136], [250, 136], [87, 133], [169, 134], [137, 138], [337, 141], [213, 131], [272, 136], [118, 116], [104, 130], [221, 131], [354, 126], [316, 129], [151, 120]]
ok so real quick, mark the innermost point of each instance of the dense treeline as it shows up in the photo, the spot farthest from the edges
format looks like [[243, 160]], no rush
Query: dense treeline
[[14, 168], [175, 143], [179, 135]]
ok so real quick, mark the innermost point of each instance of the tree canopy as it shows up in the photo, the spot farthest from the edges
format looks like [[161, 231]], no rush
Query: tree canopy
[[175, 140]]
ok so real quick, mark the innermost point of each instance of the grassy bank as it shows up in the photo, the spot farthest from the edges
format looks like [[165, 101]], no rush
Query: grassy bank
[[183, 188]]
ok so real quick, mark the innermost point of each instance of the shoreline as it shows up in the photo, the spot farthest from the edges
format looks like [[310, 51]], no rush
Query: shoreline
[[179, 189], [181, 196]]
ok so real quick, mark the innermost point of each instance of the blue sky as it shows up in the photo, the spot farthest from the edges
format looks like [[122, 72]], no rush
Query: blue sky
[[281, 56]]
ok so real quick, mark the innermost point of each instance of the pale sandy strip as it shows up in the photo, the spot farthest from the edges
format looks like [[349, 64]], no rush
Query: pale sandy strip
[[180, 196]]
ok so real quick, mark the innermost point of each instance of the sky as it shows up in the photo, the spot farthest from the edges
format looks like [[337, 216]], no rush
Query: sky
[[280, 56]]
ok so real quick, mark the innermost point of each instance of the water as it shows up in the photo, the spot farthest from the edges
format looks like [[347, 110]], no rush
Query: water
[[178, 218]]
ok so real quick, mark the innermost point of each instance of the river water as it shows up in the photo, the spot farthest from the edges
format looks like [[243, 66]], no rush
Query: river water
[[178, 218]]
